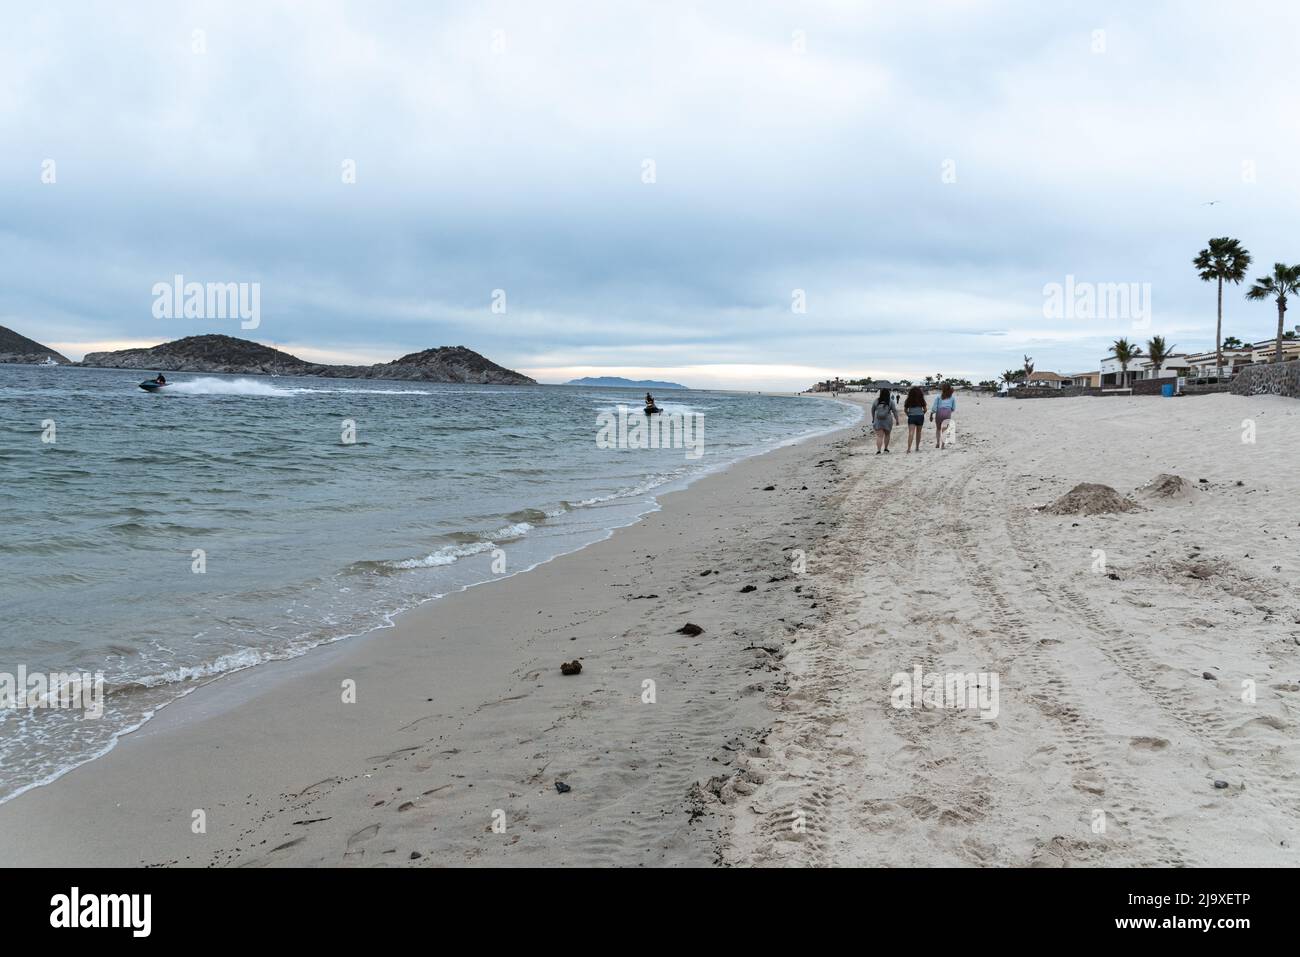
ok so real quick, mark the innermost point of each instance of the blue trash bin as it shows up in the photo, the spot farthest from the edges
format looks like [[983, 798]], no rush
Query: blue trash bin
[[1167, 391]]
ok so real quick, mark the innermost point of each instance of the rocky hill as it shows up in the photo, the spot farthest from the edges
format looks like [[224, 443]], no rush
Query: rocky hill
[[16, 348], [214, 353], [205, 354]]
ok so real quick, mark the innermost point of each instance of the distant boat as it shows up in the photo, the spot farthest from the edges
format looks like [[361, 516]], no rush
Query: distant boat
[[48, 361]]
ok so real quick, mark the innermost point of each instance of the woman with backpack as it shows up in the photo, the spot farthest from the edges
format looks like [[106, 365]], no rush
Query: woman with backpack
[[884, 416]]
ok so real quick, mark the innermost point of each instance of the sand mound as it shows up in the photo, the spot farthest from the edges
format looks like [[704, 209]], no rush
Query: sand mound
[[1168, 488], [1089, 499]]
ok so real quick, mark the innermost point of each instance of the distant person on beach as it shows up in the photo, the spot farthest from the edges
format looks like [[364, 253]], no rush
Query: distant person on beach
[[944, 408], [914, 408], [884, 416]]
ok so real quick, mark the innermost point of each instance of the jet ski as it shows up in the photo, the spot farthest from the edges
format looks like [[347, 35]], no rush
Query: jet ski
[[150, 386], [652, 409]]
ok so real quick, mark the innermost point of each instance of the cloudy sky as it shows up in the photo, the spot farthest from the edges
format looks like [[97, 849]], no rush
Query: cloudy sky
[[727, 194]]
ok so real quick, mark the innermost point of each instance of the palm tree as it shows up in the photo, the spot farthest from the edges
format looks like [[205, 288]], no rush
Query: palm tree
[[1284, 281], [1232, 342], [1010, 376], [1223, 260], [1029, 368], [1125, 352], [1158, 352]]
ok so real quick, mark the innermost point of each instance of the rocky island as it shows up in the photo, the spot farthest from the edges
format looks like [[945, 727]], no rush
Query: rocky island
[[16, 348], [227, 354]]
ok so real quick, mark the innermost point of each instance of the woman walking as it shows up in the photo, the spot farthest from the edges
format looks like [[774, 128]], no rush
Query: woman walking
[[914, 407], [884, 416], [942, 411]]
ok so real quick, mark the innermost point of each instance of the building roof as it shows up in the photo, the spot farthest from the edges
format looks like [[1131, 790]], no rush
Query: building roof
[[1037, 376], [1210, 354]]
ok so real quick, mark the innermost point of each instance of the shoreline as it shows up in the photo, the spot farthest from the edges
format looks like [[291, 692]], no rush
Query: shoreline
[[1122, 735], [550, 542], [187, 723]]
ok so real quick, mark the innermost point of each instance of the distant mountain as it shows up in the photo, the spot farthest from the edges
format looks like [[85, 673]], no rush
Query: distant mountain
[[16, 348], [227, 354], [619, 382]]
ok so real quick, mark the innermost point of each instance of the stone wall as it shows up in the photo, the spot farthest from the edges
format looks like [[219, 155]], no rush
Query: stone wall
[[1276, 378]]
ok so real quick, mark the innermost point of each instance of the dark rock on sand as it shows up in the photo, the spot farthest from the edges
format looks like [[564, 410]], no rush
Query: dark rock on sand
[[690, 629], [562, 787], [748, 588], [1220, 784], [573, 667], [769, 488], [1208, 676]]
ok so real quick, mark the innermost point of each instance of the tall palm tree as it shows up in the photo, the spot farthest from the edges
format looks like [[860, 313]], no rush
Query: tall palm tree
[[1009, 377], [1224, 260], [1125, 352], [1158, 352], [1029, 368], [1284, 281], [1232, 342]]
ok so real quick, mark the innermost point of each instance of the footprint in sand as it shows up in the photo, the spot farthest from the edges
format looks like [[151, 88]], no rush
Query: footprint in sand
[[365, 834]]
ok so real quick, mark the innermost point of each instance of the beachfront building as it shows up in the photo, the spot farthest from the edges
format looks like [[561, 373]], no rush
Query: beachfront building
[[1086, 380], [1263, 351], [1204, 365], [1047, 380], [1112, 375], [1176, 366]]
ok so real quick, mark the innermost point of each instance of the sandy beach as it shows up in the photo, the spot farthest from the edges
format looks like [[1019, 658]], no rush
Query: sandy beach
[[1148, 666]]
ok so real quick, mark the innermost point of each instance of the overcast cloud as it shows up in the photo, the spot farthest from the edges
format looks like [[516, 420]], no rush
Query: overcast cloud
[[504, 146]]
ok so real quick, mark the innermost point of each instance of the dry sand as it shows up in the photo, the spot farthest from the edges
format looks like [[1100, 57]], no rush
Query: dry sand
[[1122, 676], [780, 711]]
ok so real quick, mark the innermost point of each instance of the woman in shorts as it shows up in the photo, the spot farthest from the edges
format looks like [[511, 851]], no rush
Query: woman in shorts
[[945, 406], [914, 408]]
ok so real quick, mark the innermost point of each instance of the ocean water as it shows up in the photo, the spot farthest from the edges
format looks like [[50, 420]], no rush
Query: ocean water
[[167, 539]]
